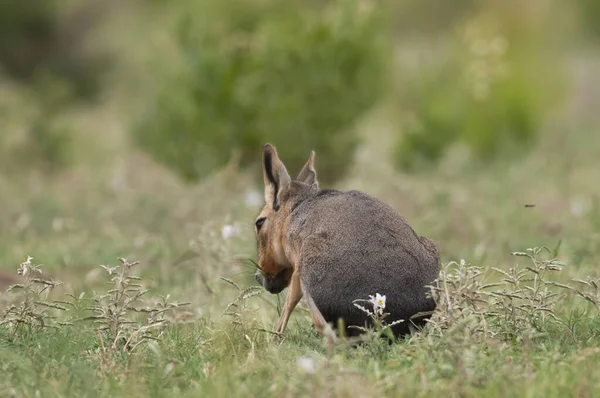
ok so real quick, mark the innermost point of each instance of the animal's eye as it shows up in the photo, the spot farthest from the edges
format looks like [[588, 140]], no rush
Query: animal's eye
[[260, 222]]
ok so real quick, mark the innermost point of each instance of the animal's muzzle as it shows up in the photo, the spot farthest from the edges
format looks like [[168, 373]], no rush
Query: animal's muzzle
[[274, 284]]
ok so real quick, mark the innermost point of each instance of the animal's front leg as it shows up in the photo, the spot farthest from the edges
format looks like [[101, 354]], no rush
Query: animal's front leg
[[293, 297]]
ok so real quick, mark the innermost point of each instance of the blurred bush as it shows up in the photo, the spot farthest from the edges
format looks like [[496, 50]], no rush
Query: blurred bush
[[297, 74], [46, 67], [590, 17], [428, 18], [490, 87], [46, 36], [38, 138]]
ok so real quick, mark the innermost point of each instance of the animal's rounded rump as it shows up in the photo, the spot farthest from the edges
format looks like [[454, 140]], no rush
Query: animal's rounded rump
[[355, 246]]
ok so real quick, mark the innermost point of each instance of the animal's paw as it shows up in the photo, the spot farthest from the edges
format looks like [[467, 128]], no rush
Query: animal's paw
[[279, 337]]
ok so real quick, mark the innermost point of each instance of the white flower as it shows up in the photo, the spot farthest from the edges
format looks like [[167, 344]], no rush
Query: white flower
[[305, 365], [229, 231], [25, 267], [378, 302], [577, 208]]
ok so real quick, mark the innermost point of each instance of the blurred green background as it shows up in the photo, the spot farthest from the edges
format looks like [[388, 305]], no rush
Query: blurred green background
[[134, 129], [204, 80], [125, 123]]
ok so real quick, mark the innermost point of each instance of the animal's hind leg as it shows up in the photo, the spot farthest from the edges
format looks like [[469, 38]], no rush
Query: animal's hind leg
[[319, 322]]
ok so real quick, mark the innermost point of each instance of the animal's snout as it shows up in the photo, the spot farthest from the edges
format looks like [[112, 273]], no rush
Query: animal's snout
[[274, 284]]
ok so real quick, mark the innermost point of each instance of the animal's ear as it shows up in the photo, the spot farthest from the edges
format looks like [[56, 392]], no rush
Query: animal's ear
[[277, 180], [308, 175]]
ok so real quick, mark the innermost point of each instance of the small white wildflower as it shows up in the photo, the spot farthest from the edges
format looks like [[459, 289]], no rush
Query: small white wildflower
[[479, 250], [305, 365], [577, 208], [253, 199], [25, 267], [362, 153], [378, 302], [229, 231]]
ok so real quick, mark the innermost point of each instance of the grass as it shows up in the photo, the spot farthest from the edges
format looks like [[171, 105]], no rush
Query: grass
[[74, 222], [96, 213], [512, 339]]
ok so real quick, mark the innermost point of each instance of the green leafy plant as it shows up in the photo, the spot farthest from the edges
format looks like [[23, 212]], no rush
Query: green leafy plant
[[486, 88], [43, 37], [244, 332], [590, 14], [297, 73], [237, 308], [34, 311], [518, 303], [376, 314], [115, 312], [370, 337]]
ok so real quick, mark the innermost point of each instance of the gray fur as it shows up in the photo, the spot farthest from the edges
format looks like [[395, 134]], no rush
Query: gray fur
[[351, 246]]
